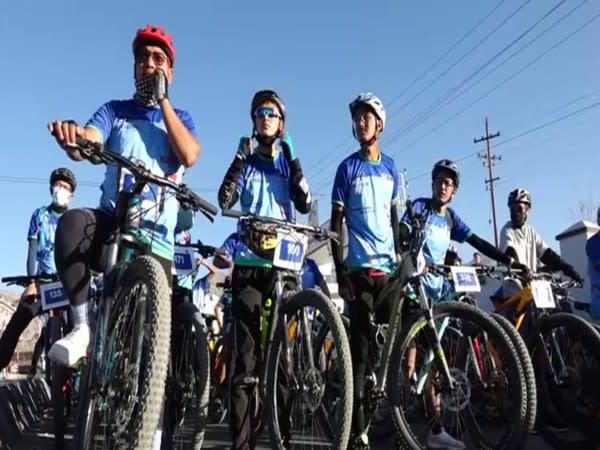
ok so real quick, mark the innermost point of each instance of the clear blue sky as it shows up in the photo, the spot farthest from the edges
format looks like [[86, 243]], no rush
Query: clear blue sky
[[64, 59]]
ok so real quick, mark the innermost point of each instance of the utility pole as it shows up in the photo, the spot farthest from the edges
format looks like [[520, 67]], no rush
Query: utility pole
[[489, 161]]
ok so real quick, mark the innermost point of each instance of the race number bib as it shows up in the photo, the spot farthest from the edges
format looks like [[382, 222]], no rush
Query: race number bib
[[53, 295], [465, 279], [542, 294], [183, 260], [151, 194], [290, 250]]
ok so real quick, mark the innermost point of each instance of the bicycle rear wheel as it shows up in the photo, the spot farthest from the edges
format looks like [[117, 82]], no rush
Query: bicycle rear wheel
[[59, 376], [186, 408], [569, 385], [303, 420], [484, 409]]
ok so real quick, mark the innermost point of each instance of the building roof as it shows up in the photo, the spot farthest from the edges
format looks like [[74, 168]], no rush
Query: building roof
[[582, 226]]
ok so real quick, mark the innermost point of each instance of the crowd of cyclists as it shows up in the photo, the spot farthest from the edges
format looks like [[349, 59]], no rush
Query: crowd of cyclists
[[265, 178]]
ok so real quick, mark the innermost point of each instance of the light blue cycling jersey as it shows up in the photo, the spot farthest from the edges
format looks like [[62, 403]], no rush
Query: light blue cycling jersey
[[264, 189], [440, 229], [200, 292], [230, 245], [139, 133], [367, 190], [42, 228]]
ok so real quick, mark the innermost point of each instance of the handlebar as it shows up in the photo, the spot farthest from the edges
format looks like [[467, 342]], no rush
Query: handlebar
[[97, 154], [23, 280], [206, 251], [317, 232]]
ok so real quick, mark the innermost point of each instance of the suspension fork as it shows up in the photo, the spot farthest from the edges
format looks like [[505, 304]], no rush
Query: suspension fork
[[432, 335]]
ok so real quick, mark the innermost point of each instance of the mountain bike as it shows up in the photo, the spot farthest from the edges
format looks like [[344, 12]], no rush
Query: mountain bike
[[565, 349], [287, 362], [188, 377], [123, 381]]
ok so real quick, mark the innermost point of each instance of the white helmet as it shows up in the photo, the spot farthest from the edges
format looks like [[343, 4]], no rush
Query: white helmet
[[371, 100]]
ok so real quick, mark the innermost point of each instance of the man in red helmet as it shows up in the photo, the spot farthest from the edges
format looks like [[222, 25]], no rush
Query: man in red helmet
[[148, 128]]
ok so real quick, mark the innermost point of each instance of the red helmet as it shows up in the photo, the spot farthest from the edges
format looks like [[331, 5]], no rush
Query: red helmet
[[155, 35]]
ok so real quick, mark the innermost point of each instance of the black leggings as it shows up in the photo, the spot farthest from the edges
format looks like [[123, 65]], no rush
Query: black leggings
[[78, 246]]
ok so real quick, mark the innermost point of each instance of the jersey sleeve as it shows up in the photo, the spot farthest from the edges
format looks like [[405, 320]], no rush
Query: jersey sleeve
[[187, 121], [460, 231], [340, 185], [230, 245], [103, 120], [418, 207], [396, 188], [507, 237], [34, 225], [540, 244]]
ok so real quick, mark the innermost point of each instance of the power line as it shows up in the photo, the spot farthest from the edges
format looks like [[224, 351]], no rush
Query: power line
[[497, 86], [446, 53], [90, 184], [445, 99], [522, 134], [459, 60], [322, 166]]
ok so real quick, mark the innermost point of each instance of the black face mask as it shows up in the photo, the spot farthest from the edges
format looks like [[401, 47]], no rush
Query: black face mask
[[144, 92]]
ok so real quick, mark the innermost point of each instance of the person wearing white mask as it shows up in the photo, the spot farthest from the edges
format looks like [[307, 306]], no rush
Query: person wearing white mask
[[40, 260]]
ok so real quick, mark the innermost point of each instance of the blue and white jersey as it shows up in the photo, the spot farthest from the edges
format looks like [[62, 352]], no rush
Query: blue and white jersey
[[367, 190], [441, 229], [42, 228], [140, 134], [264, 189]]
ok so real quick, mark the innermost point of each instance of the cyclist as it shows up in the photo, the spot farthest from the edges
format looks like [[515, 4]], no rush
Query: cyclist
[[443, 225], [146, 128], [201, 288], [365, 194], [592, 250], [40, 260], [268, 182], [519, 240]]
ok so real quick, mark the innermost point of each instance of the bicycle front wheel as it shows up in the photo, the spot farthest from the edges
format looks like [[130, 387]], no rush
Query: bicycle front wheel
[[481, 405], [125, 411], [298, 383]]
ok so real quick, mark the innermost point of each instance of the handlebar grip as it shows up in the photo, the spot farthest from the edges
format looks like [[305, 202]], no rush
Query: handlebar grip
[[207, 206], [231, 213]]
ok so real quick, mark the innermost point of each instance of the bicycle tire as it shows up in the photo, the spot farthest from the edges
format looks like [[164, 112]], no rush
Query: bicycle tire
[[528, 379], [312, 298], [142, 423], [591, 340], [58, 377], [405, 438], [202, 382]]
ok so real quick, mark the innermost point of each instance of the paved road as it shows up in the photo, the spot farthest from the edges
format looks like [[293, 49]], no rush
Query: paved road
[[40, 438]]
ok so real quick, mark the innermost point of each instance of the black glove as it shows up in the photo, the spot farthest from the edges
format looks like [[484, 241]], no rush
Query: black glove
[[525, 271], [244, 148], [160, 86], [569, 271]]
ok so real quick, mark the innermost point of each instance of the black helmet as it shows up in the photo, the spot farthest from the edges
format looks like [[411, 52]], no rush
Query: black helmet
[[447, 166], [264, 96], [519, 195], [64, 174]]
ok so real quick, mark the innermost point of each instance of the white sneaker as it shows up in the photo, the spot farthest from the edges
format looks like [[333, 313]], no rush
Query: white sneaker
[[443, 440], [70, 349]]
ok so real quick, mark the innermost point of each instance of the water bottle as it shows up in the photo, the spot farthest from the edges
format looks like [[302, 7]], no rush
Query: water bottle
[[134, 212], [264, 323]]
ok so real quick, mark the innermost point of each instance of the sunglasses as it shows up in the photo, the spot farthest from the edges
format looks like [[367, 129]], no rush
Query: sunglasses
[[261, 113], [157, 57]]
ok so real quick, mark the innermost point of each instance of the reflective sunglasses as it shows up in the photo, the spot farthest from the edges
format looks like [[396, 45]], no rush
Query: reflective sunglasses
[[266, 112]]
